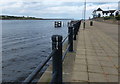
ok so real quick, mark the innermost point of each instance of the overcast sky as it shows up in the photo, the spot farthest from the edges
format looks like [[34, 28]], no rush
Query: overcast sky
[[52, 8]]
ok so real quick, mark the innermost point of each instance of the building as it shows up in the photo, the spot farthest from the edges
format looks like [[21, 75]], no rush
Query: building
[[101, 13]]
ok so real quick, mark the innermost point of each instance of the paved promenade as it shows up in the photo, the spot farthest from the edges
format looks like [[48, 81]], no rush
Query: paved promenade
[[96, 56]]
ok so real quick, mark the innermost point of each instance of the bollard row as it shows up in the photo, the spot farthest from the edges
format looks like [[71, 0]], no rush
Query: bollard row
[[57, 57], [76, 29]]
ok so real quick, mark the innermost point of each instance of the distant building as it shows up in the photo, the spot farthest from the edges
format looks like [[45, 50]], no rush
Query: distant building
[[101, 13]]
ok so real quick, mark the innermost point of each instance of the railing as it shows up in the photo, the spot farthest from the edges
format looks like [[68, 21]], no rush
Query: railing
[[57, 54]]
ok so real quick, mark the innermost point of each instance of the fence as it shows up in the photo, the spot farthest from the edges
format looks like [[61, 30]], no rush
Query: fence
[[57, 54]]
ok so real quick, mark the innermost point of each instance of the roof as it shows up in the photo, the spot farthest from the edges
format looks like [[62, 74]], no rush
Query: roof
[[109, 11], [105, 11], [99, 9], [112, 11]]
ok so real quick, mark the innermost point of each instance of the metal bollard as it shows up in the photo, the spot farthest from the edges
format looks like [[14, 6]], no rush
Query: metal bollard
[[79, 24], [54, 42], [77, 28], [60, 59], [84, 24], [91, 23], [75, 32], [70, 38], [57, 58]]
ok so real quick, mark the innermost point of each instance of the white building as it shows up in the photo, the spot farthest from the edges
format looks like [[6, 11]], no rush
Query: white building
[[100, 13]]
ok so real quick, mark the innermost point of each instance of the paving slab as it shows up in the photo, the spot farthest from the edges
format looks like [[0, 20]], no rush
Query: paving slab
[[112, 78], [93, 62], [80, 67], [80, 61], [110, 71], [106, 64], [96, 77], [95, 69], [80, 76]]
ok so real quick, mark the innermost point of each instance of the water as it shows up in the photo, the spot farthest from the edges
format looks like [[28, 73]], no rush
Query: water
[[25, 44]]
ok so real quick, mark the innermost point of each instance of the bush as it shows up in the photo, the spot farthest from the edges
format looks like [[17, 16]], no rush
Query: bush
[[117, 17]]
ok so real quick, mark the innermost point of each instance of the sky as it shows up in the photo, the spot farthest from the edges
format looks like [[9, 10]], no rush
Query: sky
[[53, 8]]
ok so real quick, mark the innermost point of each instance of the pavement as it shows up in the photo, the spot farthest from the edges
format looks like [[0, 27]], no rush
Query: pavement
[[96, 54], [109, 29]]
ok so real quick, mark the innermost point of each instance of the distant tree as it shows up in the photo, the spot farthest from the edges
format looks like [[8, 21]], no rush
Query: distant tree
[[117, 17]]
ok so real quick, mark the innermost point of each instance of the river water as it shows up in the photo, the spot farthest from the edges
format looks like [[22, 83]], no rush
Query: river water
[[25, 44]]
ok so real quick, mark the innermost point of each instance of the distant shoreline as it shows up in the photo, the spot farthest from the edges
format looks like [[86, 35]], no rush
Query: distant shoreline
[[6, 17], [36, 19]]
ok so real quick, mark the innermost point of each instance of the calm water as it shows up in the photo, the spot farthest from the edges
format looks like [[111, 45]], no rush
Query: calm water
[[25, 44]]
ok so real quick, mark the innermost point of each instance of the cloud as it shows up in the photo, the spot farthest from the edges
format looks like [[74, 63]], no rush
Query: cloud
[[51, 8], [92, 6], [54, 1]]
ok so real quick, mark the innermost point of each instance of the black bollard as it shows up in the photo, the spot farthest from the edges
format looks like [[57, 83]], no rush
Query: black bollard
[[54, 42], [57, 58], [77, 27], [75, 31], [91, 23], [83, 25], [70, 38], [60, 59]]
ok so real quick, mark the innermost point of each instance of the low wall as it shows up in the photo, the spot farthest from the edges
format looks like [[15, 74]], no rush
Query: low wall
[[107, 21]]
